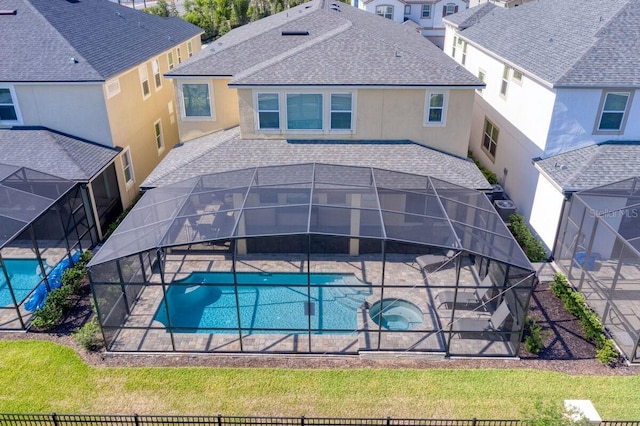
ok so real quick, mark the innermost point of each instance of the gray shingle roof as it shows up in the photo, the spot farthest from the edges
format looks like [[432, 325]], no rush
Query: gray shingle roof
[[344, 47], [592, 166], [104, 38], [226, 151], [468, 17], [568, 43], [54, 153]]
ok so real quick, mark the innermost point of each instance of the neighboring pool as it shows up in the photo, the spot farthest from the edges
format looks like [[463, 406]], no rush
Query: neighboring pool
[[24, 277], [267, 301]]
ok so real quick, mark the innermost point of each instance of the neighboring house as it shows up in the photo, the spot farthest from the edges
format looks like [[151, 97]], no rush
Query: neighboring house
[[93, 69], [326, 71], [426, 16], [560, 75], [501, 3]]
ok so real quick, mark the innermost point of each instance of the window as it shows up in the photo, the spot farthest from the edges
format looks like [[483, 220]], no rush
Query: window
[[170, 60], [464, 52], [490, 139], [190, 49], [453, 48], [449, 9], [435, 108], [304, 111], [179, 55], [144, 80], [517, 76], [407, 9], [426, 11], [268, 111], [613, 111], [113, 88], [481, 77], [8, 110], [196, 100], [155, 65], [386, 11], [341, 107], [505, 81], [157, 129], [127, 168]]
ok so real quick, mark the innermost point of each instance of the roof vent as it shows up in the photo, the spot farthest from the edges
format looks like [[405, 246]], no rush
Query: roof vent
[[73, 60], [295, 33], [8, 12], [336, 8]]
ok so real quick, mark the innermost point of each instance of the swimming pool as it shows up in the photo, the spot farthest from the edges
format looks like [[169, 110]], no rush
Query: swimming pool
[[205, 302], [24, 277]]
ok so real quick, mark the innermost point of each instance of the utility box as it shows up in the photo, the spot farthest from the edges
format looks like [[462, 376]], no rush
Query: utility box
[[497, 193], [505, 208]]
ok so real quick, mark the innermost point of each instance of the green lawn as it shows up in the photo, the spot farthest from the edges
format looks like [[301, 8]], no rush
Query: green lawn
[[70, 386]]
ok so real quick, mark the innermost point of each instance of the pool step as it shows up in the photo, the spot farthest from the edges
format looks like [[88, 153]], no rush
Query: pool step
[[350, 297]]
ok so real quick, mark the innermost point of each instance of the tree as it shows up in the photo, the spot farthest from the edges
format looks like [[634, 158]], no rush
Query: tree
[[239, 12], [163, 8], [201, 13], [551, 415]]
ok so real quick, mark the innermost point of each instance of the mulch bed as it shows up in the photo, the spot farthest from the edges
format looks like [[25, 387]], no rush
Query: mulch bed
[[566, 349]]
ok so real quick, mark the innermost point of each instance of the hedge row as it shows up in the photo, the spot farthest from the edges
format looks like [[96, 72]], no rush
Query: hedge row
[[531, 246]]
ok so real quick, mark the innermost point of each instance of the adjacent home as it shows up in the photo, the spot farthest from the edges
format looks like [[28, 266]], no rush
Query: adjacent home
[[94, 69], [320, 201], [560, 115], [426, 17]]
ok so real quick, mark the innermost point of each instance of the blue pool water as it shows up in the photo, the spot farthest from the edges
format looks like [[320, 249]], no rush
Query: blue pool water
[[205, 302], [24, 277]]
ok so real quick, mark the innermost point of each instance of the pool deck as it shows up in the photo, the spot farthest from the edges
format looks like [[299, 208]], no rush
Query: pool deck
[[400, 270]]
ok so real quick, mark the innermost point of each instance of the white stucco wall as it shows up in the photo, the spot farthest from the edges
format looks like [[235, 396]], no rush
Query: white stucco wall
[[546, 211], [76, 109]]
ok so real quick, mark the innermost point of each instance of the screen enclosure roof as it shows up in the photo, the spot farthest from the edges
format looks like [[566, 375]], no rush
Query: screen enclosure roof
[[314, 199]]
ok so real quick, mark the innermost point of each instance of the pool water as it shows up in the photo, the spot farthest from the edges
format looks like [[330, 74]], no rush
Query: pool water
[[269, 303], [24, 277]]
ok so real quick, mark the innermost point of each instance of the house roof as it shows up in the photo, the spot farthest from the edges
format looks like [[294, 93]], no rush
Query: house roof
[[568, 43], [103, 38], [344, 46], [592, 166], [225, 151], [55, 153]]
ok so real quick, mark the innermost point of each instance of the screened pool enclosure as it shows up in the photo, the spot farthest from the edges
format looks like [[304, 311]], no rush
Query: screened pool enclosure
[[598, 248], [43, 221], [312, 258]]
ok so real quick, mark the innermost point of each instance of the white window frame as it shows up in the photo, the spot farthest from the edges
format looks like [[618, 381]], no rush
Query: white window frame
[[189, 48], [504, 83], [170, 60], [322, 109], [463, 58], [212, 110], [427, 108], [179, 55], [143, 72], [422, 15], [453, 48], [625, 113], [492, 141], [157, 77], [387, 8], [258, 111], [14, 104], [450, 9], [517, 76], [482, 76], [351, 111], [159, 136], [407, 9], [127, 163], [112, 87]]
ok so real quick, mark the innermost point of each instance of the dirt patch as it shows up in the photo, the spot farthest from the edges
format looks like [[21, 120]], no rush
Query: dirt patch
[[566, 349]]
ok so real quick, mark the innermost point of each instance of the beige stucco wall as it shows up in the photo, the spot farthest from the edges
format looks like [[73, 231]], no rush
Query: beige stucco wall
[[380, 114], [76, 109], [224, 111], [132, 117]]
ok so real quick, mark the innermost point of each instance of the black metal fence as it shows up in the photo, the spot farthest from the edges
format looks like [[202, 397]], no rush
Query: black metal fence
[[220, 420]]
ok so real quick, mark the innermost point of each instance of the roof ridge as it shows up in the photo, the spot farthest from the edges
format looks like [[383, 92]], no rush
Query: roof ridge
[[592, 159], [289, 53], [54, 137], [63, 38]]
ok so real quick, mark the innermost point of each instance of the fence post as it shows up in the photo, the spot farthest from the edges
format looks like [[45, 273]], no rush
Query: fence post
[[54, 419], [136, 420], [301, 420], [219, 419], [388, 420], [474, 421]]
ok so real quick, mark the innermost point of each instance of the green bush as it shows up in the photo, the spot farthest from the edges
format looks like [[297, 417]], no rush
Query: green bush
[[533, 341], [575, 303], [113, 225], [551, 415], [532, 247], [491, 177], [88, 336]]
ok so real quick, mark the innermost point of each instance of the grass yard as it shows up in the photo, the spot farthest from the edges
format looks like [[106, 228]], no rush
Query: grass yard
[[43, 377]]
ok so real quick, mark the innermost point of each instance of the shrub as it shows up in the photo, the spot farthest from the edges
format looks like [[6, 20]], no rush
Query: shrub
[[532, 247], [113, 225], [88, 336], [551, 415], [575, 303], [491, 177], [533, 341]]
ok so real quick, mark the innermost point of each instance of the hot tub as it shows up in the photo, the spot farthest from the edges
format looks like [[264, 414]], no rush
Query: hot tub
[[396, 314]]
